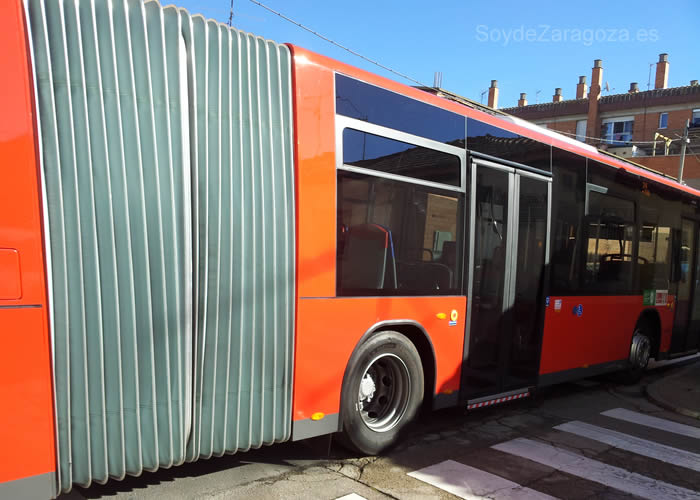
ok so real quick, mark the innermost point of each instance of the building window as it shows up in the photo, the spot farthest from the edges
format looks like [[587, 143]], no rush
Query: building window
[[617, 131], [695, 120], [581, 130], [663, 120]]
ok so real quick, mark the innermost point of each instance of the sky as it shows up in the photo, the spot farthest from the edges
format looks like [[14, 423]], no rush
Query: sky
[[530, 47]]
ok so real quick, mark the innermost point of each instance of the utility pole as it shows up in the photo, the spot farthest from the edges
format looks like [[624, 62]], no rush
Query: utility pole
[[684, 143]]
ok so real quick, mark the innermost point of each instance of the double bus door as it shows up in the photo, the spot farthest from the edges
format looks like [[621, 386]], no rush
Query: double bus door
[[509, 251], [686, 325]]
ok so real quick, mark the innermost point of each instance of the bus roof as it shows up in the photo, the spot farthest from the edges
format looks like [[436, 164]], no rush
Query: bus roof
[[500, 120]]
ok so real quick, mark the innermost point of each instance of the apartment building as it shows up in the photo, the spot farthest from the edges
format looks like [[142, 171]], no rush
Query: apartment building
[[645, 126]]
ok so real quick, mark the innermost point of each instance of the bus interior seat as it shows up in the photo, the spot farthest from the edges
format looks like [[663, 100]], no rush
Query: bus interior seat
[[368, 258], [614, 268], [449, 254], [424, 276]]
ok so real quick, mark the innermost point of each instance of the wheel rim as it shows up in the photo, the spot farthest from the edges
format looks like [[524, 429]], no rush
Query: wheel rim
[[384, 392], [640, 351]]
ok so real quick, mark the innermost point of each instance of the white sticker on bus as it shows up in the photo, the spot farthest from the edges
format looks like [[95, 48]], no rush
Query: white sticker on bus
[[661, 297]]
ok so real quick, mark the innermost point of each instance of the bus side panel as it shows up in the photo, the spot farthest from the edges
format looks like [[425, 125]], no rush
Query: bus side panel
[[329, 330], [580, 332], [26, 420], [314, 125]]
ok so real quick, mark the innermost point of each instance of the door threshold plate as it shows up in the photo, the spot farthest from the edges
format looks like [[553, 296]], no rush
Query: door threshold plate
[[497, 399]]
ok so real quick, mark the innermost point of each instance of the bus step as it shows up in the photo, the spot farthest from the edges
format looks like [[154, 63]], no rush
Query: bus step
[[473, 404]]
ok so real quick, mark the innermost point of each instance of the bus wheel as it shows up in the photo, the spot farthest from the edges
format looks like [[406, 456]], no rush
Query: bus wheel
[[640, 352], [382, 391]]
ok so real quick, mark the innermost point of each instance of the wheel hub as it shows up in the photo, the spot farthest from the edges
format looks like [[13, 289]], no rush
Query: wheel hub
[[367, 388], [383, 392], [640, 350]]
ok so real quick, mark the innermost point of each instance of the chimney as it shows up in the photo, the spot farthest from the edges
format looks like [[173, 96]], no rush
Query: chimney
[[523, 100], [596, 79], [634, 88], [693, 83], [661, 81], [557, 95], [593, 122], [581, 88], [493, 94]]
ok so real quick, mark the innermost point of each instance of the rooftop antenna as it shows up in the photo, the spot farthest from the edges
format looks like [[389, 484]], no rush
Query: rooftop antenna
[[649, 79], [437, 80], [482, 95], [230, 16], [537, 97]]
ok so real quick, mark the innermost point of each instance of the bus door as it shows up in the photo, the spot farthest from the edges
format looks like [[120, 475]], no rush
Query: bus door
[[686, 326], [510, 211]]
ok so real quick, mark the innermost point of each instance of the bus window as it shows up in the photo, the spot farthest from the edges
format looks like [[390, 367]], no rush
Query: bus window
[[361, 149], [610, 226], [495, 141], [654, 249], [372, 104], [397, 238]]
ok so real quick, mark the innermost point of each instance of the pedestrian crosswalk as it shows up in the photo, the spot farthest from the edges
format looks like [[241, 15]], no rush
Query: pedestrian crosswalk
[[593, 470], [468, 482], [634, 444], [465, 481], [653, 422]]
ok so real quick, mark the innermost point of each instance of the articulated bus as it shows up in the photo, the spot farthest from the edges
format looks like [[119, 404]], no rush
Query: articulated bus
[[210, 242]]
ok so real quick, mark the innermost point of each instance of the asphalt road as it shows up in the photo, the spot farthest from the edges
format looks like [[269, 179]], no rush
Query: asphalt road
[[594, 439]]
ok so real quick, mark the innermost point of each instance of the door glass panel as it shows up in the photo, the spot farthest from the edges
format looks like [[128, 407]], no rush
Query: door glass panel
[[532, 235], [483, 364], [680, 325], [693, 339]]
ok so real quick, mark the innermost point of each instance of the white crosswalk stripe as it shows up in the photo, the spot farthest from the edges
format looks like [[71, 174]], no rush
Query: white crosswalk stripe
[[634, 444], [467, 482], [593, 470], [351, 496], [654, 422]]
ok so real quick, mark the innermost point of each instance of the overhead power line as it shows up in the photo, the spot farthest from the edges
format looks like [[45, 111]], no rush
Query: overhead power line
[[357, 54], [602, 139]]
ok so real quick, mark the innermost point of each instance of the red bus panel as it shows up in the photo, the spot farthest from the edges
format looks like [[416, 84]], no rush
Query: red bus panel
[[26, 419]]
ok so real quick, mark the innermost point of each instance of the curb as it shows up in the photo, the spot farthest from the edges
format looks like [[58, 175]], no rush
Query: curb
[[654, 397]]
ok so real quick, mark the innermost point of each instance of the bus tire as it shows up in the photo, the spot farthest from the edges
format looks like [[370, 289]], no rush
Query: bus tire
[[640, 352], [382, 392]]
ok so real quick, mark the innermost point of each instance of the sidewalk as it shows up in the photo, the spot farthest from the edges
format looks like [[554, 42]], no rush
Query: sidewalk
[[679, 392]]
